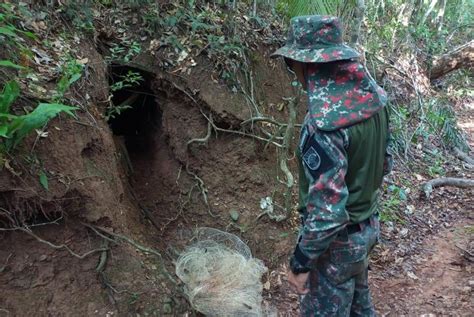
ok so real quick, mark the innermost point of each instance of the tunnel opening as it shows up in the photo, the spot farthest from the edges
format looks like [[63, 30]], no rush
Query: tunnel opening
[[133, 114]]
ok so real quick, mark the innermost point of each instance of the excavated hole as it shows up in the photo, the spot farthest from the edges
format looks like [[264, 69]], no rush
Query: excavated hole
[[140, 124]]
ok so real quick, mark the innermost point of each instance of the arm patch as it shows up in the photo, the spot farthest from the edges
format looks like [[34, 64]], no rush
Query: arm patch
[[316, 158]]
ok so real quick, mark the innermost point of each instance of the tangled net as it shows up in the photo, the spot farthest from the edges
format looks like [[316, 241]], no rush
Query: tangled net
[[221, 278]]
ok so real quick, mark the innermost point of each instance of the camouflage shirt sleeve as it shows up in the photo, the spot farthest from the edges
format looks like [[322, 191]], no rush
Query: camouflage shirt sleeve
[[325, 163]]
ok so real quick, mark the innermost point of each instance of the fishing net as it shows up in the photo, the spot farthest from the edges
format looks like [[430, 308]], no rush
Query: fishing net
[[220, 275]]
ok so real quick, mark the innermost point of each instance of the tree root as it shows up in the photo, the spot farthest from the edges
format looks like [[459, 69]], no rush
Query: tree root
[[206, 138], [54, 246], [241, 133], [106, 234], [182, 204], [446, 181], [292, 104], [464, 157], [202, 188]]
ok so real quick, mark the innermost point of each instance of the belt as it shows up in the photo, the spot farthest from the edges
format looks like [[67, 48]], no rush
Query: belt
[[356, 227]]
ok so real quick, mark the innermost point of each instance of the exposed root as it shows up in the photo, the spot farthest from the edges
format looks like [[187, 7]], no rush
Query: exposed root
[[54, 246], [101, 274], [241, 133], [292, 104], [446, 181], [206, 138], [202, 188], [464, 157], [182, 204], [118, 237], [6, 263]]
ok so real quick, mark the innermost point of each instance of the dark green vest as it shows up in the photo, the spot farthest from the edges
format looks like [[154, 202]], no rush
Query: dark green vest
[[366, 153]]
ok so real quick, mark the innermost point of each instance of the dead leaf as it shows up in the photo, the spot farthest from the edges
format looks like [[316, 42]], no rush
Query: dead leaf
[[412, 275], [82, 61], [267, 285]]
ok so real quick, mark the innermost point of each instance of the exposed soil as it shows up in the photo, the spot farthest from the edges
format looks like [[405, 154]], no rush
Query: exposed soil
[[441, 282]]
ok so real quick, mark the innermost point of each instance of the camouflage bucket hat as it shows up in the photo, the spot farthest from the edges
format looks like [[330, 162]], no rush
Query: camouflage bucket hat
[[315, 39]]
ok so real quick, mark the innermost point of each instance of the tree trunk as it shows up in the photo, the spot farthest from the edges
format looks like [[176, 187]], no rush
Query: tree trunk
[[460, 57], [440, 16], [358, 17]]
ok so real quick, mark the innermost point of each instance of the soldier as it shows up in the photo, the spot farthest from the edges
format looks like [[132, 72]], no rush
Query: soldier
[[343, 158]]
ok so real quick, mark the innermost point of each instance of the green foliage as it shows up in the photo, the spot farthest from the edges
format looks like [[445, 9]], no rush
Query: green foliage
[[129, 80], [115, 110], [435, 164], [79, 13], [400, 133], [43, 179], [441, 121], [294, 8], [71, 72], [392, 204], [137, 4], [7, 63], [125, 51], [13, 128]]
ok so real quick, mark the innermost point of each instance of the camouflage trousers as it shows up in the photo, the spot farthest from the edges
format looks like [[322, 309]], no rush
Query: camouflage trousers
[[339, 285]]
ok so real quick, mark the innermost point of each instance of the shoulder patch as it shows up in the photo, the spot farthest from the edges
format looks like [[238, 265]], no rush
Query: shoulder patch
[[316, 158], [312, 159]]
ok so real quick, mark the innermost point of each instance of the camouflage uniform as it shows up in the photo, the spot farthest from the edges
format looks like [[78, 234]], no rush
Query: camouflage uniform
[[343, 158]]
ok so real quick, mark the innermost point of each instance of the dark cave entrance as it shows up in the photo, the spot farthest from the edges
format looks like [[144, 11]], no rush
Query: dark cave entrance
[[134, 114]]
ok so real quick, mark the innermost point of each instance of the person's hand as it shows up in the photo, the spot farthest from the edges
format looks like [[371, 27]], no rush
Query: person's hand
[[298, 282]]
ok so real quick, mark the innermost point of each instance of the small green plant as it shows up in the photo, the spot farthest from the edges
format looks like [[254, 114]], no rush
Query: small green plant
[[441, 121], [43, 179], [134, 297], [115, 110], [125, 51], [435, 162], [71, 72], [80, 13], [14, 128], [391, 205], [399, 130], [129, 80]]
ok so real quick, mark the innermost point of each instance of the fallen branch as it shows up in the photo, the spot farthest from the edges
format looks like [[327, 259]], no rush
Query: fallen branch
[[446, 181], [464, 157], [460, 57]]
